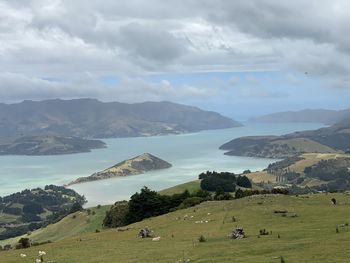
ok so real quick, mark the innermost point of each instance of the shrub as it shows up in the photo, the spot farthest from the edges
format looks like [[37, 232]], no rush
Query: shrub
[[191, 201], [244, 181], [23, 243], [202, 239], [221, 195], [75, 208]]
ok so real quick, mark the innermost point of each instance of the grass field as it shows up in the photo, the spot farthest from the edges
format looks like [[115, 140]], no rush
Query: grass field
[[307, 234], [192, 187]]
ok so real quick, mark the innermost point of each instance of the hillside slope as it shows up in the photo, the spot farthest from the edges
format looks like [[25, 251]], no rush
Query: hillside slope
[[309, 115], [94, 119], [305, 233], [335, 138], [72, 225]]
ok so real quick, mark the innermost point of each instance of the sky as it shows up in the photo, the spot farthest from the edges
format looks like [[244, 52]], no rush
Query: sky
[[242, 58]]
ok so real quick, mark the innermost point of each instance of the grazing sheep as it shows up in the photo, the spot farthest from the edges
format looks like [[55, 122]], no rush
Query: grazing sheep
[[156, 239]]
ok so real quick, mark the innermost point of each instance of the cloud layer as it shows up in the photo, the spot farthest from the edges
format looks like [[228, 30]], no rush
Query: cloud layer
[[61, 48]]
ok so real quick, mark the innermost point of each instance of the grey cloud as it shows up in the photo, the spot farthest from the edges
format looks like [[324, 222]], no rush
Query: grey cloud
[[68, 39], [150, 42]]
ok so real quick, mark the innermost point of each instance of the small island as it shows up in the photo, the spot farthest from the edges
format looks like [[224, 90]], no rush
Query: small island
[[137, 165], [47, 145]]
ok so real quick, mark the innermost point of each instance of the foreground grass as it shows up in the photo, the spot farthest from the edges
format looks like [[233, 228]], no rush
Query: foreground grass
[[309, 237]]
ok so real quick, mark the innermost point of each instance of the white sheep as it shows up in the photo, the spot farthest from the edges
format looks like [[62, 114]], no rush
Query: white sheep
[[156, 239]]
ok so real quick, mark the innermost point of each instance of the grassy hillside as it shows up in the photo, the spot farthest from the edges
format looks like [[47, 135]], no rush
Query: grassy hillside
[[307, 234], [192, 187], [333, 139], [72, 225], [307, 159]]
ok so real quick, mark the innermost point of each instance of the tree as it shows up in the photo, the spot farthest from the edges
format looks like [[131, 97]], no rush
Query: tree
[[75, 208], [116, 216], [33, 208], [145, 204], [244, 181], [213, 181]]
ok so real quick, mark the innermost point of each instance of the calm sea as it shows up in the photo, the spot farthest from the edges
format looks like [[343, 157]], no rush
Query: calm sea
[[189, 154]]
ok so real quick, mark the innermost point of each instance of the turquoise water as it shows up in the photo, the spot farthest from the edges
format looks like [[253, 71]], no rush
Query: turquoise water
[[189, 154]]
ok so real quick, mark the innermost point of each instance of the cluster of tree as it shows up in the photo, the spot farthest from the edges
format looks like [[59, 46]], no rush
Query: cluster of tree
[[277, 167], [29, 206], [225, 181], [149, 203], [329, 170]]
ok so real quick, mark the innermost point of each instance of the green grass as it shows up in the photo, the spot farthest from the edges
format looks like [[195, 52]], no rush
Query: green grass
[[309, 237], [192, 187], [72, 225]]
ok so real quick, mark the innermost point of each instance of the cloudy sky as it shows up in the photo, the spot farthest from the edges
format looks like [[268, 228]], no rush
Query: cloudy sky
[[241, 58]]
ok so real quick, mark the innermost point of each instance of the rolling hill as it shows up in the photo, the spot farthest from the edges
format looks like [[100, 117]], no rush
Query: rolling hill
[[333, 139], [309, 229]]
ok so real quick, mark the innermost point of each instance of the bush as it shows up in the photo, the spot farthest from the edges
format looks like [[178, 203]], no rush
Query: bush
[[221, 195], [191, 201], [243, 181], [202, 239], [75, 208], [23, 243]]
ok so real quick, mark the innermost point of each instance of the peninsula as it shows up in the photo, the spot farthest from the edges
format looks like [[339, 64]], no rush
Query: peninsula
[[137, 165]]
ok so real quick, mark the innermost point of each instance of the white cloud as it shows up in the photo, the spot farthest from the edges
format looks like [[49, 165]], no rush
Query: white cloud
[[67, 40]]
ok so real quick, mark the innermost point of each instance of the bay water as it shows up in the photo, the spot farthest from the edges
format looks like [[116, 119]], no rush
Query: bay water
[[190, 154]]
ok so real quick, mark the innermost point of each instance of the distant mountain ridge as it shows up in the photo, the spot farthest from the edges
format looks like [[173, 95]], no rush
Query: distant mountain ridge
[[333, 139], [324, 116], [90, 118], [137, 165], [47, 145]]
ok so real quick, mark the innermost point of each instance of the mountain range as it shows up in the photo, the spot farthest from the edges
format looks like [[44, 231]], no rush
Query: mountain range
[[90, 118]]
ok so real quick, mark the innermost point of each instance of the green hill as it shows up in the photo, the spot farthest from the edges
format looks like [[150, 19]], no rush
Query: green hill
[[74, 224], [304, 232]]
